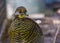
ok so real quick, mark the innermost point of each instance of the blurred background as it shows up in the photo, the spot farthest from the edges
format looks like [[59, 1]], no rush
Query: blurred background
[[46, 13]]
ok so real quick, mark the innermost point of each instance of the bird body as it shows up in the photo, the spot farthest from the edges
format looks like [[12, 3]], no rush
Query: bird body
[[24, 30]]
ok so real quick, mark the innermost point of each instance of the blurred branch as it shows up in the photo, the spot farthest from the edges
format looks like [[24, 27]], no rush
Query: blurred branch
[[56, 34]]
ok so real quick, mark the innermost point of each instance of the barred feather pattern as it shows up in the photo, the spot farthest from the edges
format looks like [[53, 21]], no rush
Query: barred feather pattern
[[23, 31]]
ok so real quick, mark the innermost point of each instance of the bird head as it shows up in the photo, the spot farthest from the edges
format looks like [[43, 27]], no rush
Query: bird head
[[20, 12]]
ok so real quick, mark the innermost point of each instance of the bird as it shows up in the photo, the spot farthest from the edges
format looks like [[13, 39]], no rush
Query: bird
[[24, 29]]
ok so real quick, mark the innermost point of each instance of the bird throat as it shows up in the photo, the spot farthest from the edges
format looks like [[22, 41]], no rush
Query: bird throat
[[21, 16]]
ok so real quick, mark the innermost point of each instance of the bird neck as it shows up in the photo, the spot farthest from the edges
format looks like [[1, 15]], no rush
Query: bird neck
[[21, 15]]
